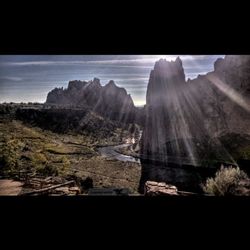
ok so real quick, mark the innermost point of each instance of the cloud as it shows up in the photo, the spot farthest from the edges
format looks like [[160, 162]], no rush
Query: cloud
[[68, 63], [11, 78], [150, 59]]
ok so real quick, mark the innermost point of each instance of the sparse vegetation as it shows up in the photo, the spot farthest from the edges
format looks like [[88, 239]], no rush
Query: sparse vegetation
[[48, 170], [245, 153], [42, 153], [227, 181], [9, 158]]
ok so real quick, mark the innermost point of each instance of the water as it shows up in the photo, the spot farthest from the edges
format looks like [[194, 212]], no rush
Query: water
[[111, 153]]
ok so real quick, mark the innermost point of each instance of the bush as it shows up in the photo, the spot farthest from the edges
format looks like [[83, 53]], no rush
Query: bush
[[9, 156], [65, 163], [48, 170], [87, 183], [38, 158], [226, 182]]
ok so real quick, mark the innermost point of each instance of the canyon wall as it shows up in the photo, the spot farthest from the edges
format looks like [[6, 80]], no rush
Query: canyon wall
[[201, 122]]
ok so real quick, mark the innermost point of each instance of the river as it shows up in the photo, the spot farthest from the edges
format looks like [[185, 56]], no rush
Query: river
[[111, 153]]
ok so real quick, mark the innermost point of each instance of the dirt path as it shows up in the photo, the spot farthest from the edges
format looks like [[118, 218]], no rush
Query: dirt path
[[10, 187]]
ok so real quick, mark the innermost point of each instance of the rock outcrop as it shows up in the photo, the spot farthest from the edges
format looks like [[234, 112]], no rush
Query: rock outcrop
[[109, 101], [153, 188], [194, 122]]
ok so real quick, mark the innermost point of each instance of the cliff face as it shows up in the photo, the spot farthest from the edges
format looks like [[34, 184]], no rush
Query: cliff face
[[191, 122], [110, 101], [166, 82], [115, 103]]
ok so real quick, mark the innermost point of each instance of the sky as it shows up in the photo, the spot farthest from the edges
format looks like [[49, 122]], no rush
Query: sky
[[28, 78]]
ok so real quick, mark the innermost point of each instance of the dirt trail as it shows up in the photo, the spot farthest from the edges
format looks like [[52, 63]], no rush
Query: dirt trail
[[10, 187]]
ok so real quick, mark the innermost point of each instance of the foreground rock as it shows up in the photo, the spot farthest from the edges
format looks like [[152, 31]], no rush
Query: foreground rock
[[56, 186], [153, 188], [201, 122], [10, 187]]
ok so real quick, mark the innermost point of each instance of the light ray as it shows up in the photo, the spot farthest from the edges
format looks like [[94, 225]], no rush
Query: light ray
[[229, 92]]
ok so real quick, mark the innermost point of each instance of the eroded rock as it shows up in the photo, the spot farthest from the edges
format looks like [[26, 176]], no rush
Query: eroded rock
[[153, 188]]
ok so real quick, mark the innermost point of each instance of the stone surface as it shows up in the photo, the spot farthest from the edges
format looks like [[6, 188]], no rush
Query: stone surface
[[153, 188], [75, 190], [184, 119], [200, 122], [10, 187]]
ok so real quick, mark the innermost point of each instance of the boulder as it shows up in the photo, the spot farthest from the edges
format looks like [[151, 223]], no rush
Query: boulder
[[153, 188]]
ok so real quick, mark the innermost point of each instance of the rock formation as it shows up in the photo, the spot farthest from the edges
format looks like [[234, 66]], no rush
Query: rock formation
[[153, 188], [197, 122], [109, 101]]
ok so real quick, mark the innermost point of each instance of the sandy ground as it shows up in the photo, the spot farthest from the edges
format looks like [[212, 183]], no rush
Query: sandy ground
[[10, 187]]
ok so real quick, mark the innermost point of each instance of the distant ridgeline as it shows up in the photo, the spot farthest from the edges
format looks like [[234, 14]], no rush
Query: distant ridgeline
[[109, 101], [200, 122], [85, 108]]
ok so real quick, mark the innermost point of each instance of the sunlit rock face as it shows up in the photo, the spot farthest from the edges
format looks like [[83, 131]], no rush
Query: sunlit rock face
[[115, 103], [173, 116], [232, 78], [109, 100], [194, 122], [164, 92]]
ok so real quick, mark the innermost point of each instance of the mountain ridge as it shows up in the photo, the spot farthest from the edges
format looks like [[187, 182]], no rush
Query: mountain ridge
[[109, 100]]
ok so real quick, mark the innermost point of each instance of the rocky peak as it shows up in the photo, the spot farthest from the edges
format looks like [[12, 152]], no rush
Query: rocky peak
[[110, 85], [112, 89], [165, 78], [231, 61], [95, 84], [178, 60], [234, 71], [166, 69], [77, 84], [96, 81], [110, 100], [218, 63]]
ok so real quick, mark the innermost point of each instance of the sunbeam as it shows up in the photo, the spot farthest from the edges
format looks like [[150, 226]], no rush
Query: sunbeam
[[229, 92]]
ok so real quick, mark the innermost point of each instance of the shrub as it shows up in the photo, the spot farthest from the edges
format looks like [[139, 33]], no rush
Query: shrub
[[9, 156], [48, 170], [38, 158], [87, 183], [65, 163], [226, 181]]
